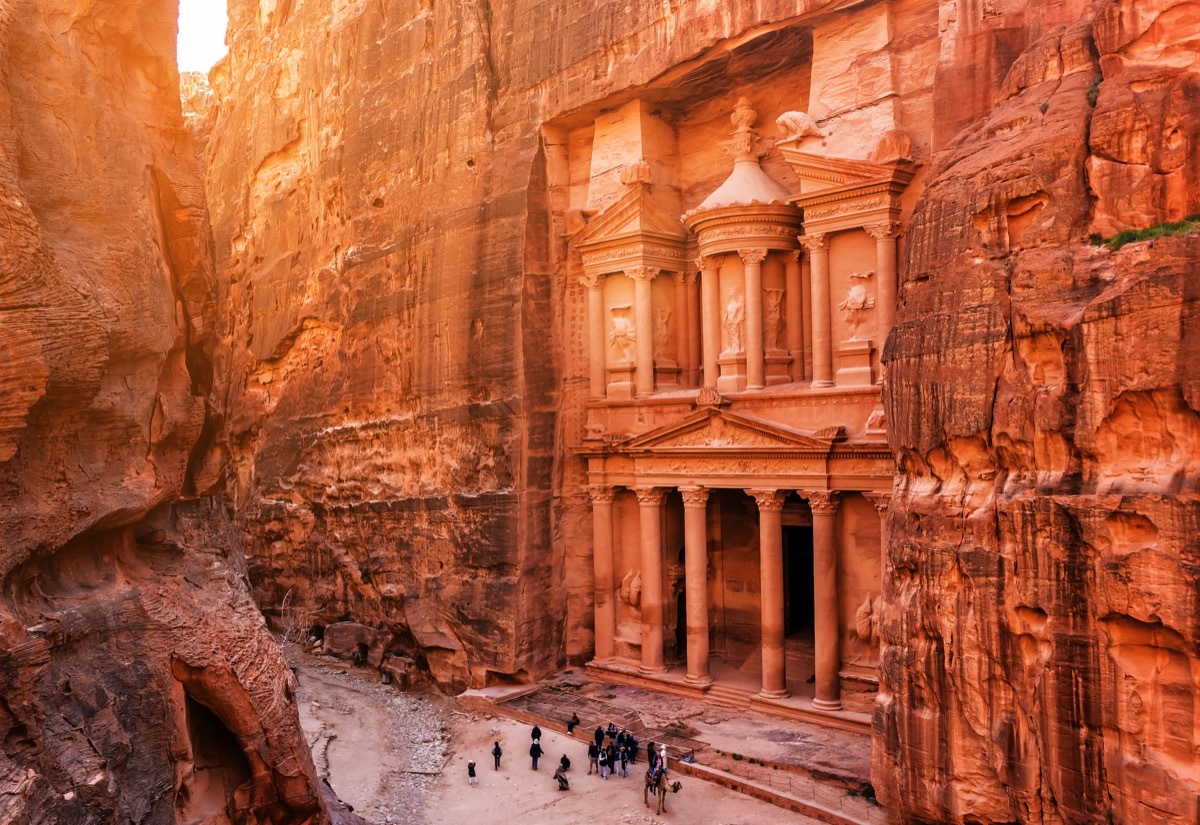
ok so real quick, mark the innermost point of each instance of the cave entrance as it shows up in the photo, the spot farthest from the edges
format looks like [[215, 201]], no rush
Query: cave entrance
[[798, 601], [219, 768]]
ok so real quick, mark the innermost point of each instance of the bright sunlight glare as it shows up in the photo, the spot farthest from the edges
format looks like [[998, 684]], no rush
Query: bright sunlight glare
[[201, 34]]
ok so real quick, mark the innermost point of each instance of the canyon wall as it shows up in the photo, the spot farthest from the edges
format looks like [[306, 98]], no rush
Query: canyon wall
[[1041, 616], [138, 682]]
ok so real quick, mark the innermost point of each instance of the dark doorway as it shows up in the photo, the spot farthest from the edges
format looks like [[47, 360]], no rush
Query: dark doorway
[[798, 580], [681, 626]]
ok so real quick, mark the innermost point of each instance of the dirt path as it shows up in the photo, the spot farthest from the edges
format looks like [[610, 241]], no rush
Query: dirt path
[[402, 758]]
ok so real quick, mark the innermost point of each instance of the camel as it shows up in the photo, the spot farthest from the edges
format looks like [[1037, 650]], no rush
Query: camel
[[656, 781]]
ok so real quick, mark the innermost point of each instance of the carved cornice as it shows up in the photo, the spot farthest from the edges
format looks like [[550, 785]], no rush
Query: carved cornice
[[823, 502], [752, 257], [601, 494], [885, 229], [694, 497], [769, 501], [650, 496], [815, 243]]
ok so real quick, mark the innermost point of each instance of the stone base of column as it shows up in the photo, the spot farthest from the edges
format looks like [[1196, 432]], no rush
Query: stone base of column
[[825, 704], [821, 384], [699, 681], [601, 662], [777, 694], [652, 671]]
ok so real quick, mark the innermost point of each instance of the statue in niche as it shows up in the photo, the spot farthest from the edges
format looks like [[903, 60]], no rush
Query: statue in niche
[[795, 125], [773, 318], [857, 304], [622, 334], [631, 589], [734, 321], [664, 346]]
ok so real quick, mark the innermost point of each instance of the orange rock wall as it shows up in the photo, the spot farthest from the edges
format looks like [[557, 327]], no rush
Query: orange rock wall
[[1040, 625], [125, 611]]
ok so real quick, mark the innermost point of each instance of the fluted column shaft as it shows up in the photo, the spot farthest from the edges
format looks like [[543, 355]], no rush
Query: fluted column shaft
[[650, 510], [643, 315], [770, 562], [752, 266], [603, 567], [597, 377], [710, 315], [885, 265], [826, 614], [795, 317], [695, 544], [822, 319]]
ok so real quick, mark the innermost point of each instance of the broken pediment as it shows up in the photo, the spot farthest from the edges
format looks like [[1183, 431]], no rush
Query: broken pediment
[[721, 429], [633, 231]]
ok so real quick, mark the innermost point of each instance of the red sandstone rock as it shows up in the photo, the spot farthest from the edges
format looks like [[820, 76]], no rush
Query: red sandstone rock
[[138, 681], [1039, 621]]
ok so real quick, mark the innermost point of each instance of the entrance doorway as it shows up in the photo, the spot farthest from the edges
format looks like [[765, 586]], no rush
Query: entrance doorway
[[798, 581]]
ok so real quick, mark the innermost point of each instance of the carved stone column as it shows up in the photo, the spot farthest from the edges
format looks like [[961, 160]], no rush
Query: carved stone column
[[822, 318], [882, 502], [692, 310], [602, 565], [795, 317], [752, 264], [643, 315], [695, 543], [770, 563], [680, 327], [885, 235], [597, 378], [710, 317], [650, 501], [826, 613]]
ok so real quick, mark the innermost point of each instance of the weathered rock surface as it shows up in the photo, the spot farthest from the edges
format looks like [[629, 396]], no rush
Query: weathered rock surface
[[138, 682], [1040, 623]]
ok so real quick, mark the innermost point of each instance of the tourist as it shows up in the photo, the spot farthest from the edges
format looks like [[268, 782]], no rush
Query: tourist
[[564, 763], [631, 745], [593, 753], [623, 755], [536, 733], [561, 776], [599, 736], [472, 779], [496, 752], [571, 725], [612, 731], [651, 755], [603, 759], [535, 751]]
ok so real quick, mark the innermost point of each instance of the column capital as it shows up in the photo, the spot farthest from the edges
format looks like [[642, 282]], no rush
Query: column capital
[[694, 496], [650, 495], [602, 494], [823, 502], [770, 501], [708, 263], [688, 278], [791, 256], [591, 280], [815, 243], [880, 501], [642, 273], [752, 257], [883, 230]]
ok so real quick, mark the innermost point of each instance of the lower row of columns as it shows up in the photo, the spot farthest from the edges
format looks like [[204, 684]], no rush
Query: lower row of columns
[[827, 648]]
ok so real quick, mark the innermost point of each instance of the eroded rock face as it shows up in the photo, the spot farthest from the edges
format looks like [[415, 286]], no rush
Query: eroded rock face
[[1040, 624], [137, 680]]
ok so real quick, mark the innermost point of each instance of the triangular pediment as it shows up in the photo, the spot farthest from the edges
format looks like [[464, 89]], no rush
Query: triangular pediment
[[820, 173], [720, 429], [635, 215]]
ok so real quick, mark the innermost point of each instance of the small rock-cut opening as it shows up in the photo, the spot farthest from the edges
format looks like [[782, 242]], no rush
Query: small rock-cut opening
[[219, 768]]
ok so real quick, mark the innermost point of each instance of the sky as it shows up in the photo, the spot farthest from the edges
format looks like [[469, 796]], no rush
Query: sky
[[201, 34]]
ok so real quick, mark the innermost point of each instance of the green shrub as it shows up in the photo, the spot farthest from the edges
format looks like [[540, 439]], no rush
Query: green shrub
[[1188, 226]]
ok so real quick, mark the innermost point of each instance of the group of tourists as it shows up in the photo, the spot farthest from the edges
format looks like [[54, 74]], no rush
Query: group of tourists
[[609, 752]]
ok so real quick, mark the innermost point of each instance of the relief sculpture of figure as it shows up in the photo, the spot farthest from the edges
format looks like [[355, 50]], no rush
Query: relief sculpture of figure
[[855, 307], [773, 318], [734, 320], [795, 125], [664, 344], [622, 335]]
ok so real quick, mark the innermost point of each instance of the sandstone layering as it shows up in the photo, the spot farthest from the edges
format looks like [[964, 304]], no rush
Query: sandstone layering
[[138, 682], [526, 333]]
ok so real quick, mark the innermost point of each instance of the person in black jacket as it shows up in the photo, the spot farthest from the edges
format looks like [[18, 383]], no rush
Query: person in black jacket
[[496, 752], [571, 724], [599, 736], [593, 755], [535, 751], [536, 733]]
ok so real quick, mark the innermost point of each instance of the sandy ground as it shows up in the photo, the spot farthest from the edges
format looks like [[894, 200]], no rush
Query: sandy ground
[[402, 758]]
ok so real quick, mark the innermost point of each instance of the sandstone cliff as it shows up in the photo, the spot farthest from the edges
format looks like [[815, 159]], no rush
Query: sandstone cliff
[[137, 680], [1040, 627]]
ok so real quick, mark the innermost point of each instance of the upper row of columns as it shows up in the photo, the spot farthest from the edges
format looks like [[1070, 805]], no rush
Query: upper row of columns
[[826, 625], [689, 339]]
